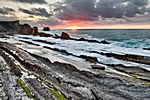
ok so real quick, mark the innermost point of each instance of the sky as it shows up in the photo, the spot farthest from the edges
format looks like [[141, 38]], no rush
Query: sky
[[78, 14]]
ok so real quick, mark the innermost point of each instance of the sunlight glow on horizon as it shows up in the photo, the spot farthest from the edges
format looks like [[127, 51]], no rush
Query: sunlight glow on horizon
[[81, 25]]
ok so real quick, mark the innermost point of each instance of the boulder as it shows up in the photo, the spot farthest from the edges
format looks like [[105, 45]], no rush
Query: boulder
[[65, 36], [89, 58], [46, 29]]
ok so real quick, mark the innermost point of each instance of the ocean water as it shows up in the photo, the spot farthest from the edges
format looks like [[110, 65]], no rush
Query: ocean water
[[121, 42], [124, 38]]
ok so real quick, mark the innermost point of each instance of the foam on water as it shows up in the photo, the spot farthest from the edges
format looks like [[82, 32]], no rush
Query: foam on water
[[82, 48]]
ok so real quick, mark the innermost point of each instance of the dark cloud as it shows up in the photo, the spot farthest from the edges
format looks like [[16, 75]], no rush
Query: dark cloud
[[31, 1], [76, 9], [36, 11], [6, 10], [120, 8], [93, 9]]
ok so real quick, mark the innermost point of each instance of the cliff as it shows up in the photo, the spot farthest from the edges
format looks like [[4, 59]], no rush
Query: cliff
[[15, 27]]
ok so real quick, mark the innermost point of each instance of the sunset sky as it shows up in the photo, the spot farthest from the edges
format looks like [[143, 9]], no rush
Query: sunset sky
[[79, 14]]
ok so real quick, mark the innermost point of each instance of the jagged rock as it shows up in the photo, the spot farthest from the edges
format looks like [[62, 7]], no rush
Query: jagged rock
[[46, 29], [89, 58]]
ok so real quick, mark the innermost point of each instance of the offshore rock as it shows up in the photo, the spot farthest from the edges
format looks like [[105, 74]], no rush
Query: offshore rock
[[35, 30], [46, 29], [65, 36], [104, 42]]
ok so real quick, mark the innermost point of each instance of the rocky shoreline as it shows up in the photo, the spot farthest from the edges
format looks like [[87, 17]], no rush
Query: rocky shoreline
[[72, 83], [30, 70]]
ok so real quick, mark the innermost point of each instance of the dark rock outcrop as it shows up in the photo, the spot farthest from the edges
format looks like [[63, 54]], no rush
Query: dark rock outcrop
[[15, 27], [42, 34], [25, 29], [83, 39], [146, 48], [89, 58], [35, 30], [7, 26], [93, 41], [104, 42], [64, 35], [46, 29], [98, 67]]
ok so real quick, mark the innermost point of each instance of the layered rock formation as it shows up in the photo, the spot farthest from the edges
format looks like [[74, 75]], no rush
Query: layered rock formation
[[51, 81], [8, 26], [15, 27]]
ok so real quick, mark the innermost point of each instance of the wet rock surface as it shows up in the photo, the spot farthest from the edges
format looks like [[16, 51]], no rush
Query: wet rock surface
[[98, 67], [69, 82], [146, 48], [89, 58]]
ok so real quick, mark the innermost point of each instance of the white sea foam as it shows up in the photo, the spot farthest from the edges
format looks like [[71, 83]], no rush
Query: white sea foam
[[82, 48]]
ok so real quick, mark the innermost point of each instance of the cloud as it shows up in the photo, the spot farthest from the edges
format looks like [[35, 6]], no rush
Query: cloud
[[36, 11], [93, 9], [76, 9], [6, 10], [120, 8], [31, 1]]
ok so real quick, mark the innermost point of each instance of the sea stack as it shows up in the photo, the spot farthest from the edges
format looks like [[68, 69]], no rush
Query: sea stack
[[35, 30], [46, 29]]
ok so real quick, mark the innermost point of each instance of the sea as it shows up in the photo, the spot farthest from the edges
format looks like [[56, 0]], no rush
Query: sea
[[121, 42], [129, 38]]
